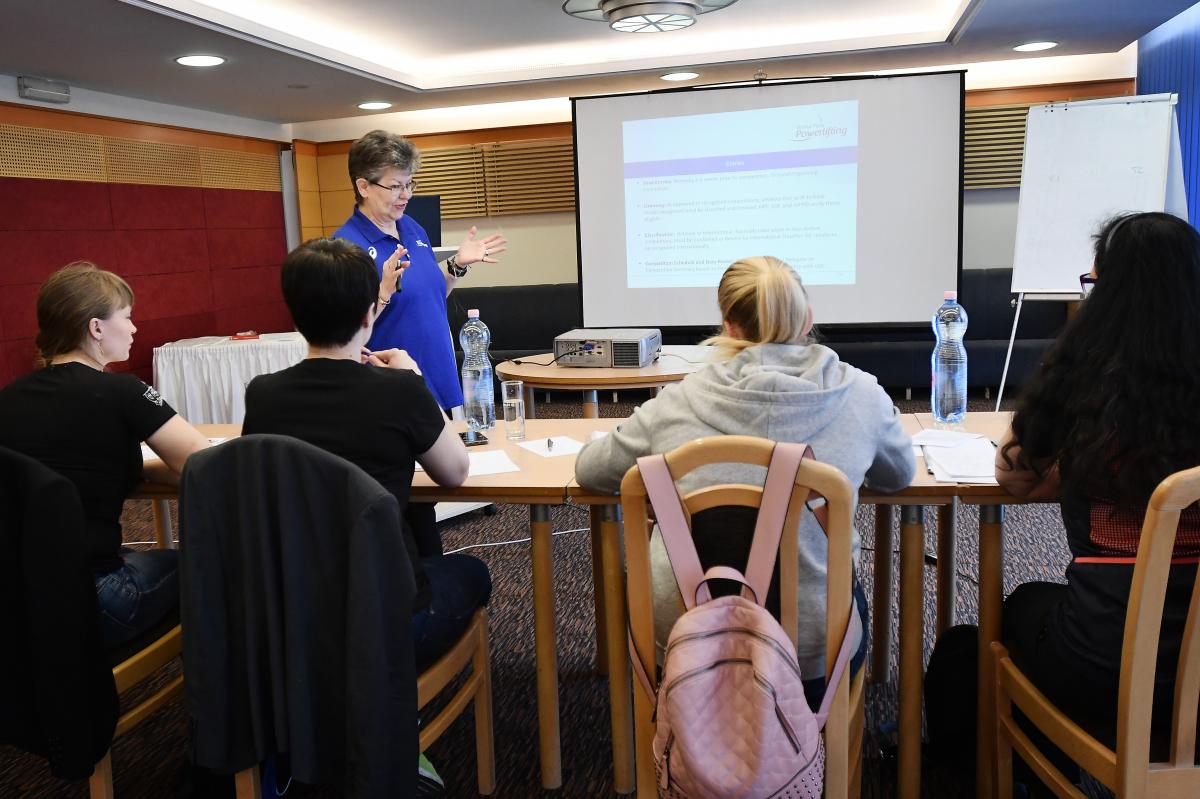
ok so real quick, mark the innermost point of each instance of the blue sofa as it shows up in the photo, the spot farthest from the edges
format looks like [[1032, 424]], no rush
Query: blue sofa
[[525, 319]]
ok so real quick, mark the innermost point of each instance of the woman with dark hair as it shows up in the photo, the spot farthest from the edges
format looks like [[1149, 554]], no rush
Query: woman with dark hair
[[88, 424], [373, 409], [1111, 412]]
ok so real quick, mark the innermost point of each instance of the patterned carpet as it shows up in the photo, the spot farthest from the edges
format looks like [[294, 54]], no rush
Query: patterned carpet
[[148, 762]]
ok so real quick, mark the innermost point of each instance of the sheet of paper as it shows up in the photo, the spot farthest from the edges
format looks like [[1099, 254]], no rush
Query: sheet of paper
[[970, 462], [493, 461], [942, 438], [562, 445]]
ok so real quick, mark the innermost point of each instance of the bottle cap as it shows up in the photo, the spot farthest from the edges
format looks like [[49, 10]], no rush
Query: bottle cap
[[473, 313], [950, 295]]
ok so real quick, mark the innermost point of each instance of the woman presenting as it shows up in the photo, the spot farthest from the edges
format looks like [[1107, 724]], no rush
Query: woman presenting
[[413, 318]]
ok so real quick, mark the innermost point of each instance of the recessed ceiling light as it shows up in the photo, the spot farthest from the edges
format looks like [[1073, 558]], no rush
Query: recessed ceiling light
[[680, 76], [374, 106], [200, 60], [1033, 47]]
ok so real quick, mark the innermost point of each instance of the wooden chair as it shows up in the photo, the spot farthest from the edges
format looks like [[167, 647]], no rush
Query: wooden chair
[[1128, 770], [472, 647], [843, 744], [166, 644]]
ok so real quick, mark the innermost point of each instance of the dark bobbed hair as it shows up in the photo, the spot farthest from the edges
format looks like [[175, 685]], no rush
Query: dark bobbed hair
[[376, 153], [1115, 400], [329, 285]]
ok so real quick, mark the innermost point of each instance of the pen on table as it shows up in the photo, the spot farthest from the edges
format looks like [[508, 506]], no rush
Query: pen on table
[[549, 444]]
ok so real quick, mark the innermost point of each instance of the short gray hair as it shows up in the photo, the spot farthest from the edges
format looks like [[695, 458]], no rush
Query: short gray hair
[[377, 152]]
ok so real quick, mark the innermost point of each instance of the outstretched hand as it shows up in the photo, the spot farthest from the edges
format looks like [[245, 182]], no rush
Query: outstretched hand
[[474, 251]]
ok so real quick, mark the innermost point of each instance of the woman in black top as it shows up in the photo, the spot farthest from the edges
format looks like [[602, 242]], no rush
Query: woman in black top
[[1110, 413], [88, 425], [374, 410]]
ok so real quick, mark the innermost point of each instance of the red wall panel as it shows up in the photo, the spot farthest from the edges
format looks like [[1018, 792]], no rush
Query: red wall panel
[[157, 252], [200, 261], [232, 288], [233, 249], [27, 256], [54, 205], [137, 207], [233, 208]]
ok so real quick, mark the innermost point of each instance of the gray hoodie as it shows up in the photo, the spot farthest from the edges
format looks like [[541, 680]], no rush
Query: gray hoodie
[[784, 392]]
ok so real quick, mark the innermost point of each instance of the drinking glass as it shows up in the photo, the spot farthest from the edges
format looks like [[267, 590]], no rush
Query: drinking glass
[[513, 393]]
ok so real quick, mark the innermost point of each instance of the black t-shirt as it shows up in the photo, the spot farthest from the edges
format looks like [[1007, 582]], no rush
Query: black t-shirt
[[88, 426], [1103, 539], [378, 419]]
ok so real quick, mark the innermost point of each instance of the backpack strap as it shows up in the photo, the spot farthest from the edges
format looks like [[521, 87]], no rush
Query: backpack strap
[[672, 524], [772, 513], [839, 666]]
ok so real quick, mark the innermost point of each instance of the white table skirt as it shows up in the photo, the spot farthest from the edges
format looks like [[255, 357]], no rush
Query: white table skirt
[[205, 379]]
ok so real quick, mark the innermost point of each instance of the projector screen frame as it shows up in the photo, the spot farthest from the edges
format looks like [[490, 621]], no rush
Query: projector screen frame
[[679, 333]]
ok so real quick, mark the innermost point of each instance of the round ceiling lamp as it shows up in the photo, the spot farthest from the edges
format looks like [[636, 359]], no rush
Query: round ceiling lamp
[[640, 16]]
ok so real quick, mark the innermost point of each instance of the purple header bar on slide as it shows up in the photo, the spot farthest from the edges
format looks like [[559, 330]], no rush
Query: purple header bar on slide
[[786, 159]]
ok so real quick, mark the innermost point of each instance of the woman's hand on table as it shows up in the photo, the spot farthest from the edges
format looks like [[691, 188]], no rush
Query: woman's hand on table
[[474, 251], [390, 359]]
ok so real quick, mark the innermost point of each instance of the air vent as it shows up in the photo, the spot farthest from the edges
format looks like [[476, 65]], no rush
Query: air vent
[[625, 353]]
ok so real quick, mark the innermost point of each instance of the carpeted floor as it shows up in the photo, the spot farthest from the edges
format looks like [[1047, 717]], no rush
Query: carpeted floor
[[148, 761]]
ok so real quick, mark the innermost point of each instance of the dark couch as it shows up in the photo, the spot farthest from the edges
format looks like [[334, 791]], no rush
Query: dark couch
[[525, 319]]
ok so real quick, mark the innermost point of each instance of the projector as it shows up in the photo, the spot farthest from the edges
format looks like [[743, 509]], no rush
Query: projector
[[630, 347]]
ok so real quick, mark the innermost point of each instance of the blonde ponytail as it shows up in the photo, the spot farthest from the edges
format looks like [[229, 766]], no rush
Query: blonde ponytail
[[764, 298]]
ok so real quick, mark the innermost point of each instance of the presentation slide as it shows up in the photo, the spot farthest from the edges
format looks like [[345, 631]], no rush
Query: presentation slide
[[856, 183], [777, 180]]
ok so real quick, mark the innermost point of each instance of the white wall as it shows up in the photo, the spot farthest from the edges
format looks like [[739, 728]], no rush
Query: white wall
[[541, 249], [85, 101]]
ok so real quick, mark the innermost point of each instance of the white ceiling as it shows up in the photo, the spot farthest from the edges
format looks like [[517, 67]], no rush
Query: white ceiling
[[300, 60]]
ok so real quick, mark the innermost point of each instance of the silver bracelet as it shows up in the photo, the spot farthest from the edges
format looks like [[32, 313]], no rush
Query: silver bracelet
[[454, 269]]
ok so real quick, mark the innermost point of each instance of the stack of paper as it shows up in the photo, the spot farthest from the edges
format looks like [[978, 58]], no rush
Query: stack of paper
[[954, 457]]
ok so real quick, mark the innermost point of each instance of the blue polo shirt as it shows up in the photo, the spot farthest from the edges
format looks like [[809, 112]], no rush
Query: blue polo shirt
[[415, 321]]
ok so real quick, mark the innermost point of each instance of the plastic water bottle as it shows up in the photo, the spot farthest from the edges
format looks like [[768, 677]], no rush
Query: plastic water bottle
[[479, 395], [949, 362]]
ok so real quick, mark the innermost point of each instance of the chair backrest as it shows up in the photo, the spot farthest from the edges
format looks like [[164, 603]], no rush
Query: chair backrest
[[1139, 652], [296, 600], [812, 475], [57, 694]]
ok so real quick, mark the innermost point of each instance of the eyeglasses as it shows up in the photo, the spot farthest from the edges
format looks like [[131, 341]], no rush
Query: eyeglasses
[[410, 188], [1086, 283]]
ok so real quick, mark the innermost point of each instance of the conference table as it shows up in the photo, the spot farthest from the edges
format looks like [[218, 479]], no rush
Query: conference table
[[541, 482], [675, 362]]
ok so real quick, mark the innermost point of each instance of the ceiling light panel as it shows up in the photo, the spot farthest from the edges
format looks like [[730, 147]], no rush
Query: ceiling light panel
[[537, 41]]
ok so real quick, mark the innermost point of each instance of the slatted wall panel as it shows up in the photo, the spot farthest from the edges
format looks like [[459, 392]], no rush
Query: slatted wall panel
[[457, 175], [994, 146], [529, 177]]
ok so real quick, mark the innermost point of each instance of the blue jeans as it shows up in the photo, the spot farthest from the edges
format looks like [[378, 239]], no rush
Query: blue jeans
[[814, 689], [138, 595], [458, 585]]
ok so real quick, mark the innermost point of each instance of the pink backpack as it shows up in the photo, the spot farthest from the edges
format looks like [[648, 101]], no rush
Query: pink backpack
[[732, 719]]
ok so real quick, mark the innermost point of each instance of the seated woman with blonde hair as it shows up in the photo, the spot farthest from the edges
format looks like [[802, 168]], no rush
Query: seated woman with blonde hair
[[771, 380], [87, 424]]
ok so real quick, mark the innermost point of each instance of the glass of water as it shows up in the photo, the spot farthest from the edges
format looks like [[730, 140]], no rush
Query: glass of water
[[513, 392]]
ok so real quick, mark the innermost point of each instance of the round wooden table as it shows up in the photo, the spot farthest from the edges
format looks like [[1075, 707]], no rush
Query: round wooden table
[[674, 363]]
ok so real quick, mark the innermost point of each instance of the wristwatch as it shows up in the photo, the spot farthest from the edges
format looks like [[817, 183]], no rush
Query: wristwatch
[[454, 269]]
